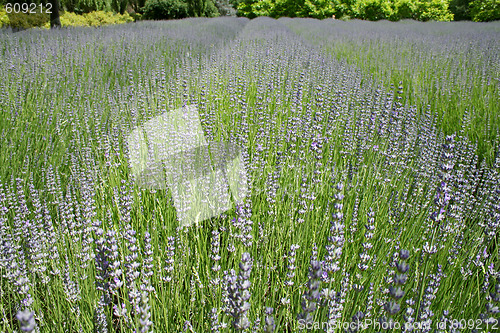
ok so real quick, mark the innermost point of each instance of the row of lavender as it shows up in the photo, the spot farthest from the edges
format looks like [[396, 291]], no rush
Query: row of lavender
[[451, 67], [362, 212]]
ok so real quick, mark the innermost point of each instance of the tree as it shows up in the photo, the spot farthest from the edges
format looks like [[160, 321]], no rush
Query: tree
[[55, 21]]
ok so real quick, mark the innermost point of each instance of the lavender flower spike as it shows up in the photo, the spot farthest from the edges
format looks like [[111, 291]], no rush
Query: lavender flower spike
[[26, 320], [312, 294], [239, 294]]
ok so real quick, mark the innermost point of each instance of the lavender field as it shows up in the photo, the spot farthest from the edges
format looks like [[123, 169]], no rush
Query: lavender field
[[371, 158]]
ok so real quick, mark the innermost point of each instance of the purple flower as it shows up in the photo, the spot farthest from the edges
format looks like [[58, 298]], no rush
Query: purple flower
[[26, 320], [311, 295], [239, 294]]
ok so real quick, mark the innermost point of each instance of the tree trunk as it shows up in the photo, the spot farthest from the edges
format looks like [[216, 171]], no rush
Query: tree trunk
[[55, 22]]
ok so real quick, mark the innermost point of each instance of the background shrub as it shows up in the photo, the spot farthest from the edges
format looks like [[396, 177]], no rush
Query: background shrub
[[96, 19], [252, 9], [460, 9], [4, 19], [345, 9], [375, 10], [138, 5], [25, 21], [435, 10], [69, 19], [200, 8], [422, 10], [93, 19], [485, 10], [86, 6], [165, 9], [319, 9], [211, 10], [225, 7], [405, 9]]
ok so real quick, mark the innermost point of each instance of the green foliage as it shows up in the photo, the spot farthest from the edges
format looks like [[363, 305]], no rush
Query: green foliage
[[96, 19], [138, 5], [196, 7], [281, 8], [460, 9], [375, 10], [68, 19], [119, 6], [344, 8], [202, 8], [86, 6], [253, 8], [93, 19], [485, 10], [4, 18], [4, 2], [24, 21], [165, 9], [211, 10], [225, 7], [432, 10], [404, 9], [106, 18], [319, 9]]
